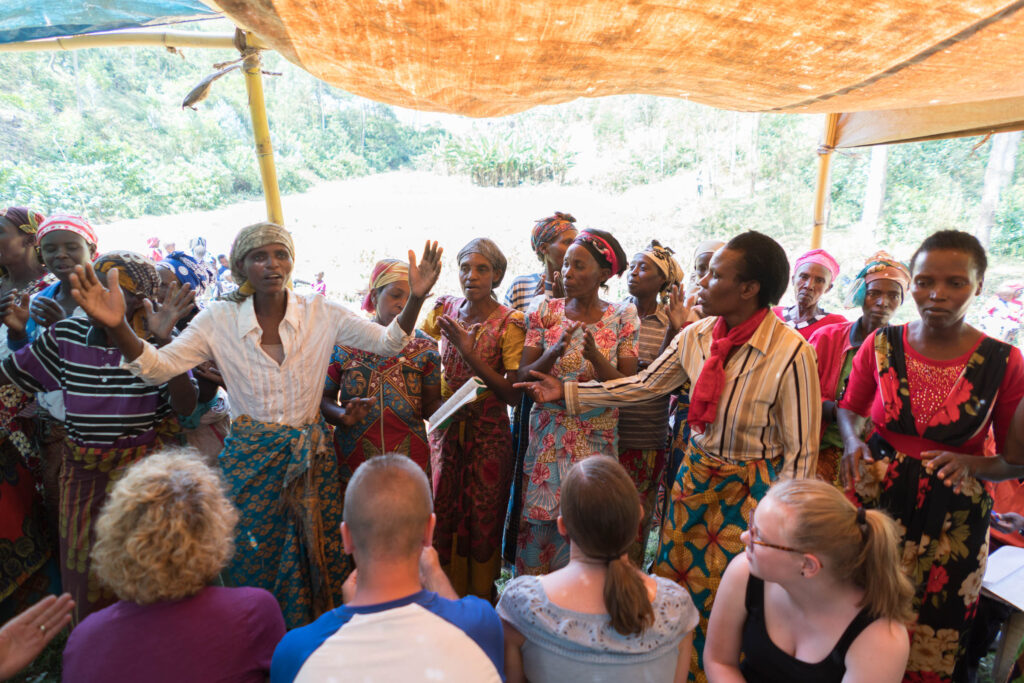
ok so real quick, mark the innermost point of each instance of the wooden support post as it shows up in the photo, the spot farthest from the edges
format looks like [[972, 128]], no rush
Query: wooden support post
[[822, 189], [261, 135]]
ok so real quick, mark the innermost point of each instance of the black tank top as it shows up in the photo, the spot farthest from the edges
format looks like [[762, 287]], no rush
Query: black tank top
[[764, 662]]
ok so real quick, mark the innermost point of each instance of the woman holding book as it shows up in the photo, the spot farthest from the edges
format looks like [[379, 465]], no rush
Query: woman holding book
[[579, 337], [471, 454]]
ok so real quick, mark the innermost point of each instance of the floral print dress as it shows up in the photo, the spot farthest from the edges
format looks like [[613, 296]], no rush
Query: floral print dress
[[558, 440], [471, 458], [919, 404]]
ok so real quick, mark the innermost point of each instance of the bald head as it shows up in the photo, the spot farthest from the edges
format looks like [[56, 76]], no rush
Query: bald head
[[388, 508]]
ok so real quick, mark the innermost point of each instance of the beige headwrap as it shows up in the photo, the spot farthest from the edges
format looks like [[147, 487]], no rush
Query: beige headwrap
[[253, 237], [662, 257]]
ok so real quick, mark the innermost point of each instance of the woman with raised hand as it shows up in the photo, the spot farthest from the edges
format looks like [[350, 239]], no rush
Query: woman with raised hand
[[818, 597], [471, 455], [164, 535], [643, 428], [397, 392], [113, 419], [578, 338], [878, 290], [599, 618], [271, 347], [933, 388]]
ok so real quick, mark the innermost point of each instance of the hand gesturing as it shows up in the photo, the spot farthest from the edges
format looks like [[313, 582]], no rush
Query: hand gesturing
[[424, 274]]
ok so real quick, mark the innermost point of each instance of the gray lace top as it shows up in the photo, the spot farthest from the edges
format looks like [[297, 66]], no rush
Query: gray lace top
[[562, 645]]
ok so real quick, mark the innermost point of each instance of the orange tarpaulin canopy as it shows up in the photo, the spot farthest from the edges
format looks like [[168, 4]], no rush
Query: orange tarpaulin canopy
[[497, 57]]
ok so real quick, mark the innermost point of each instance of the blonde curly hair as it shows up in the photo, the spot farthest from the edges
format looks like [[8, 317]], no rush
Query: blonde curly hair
[[166, 530]]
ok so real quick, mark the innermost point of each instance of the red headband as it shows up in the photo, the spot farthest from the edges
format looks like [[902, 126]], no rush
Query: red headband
[[600, 245]]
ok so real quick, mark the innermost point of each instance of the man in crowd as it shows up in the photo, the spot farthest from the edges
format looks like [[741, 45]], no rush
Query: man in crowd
[[401, 619]]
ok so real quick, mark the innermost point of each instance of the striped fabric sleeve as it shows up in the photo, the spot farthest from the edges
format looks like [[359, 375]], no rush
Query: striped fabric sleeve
[[36, 367], [798, 411], [661, 377]]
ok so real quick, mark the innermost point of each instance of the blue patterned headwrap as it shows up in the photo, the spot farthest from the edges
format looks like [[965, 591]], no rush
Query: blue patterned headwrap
[[189, 271]]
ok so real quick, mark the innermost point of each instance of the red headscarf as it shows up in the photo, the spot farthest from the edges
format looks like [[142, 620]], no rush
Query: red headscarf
[[709, 385]]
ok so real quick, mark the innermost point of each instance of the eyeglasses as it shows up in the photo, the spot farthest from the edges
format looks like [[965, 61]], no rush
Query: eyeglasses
[[753, 539]]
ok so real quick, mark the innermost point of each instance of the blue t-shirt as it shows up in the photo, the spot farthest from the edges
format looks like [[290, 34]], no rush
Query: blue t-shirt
[[419, 637]]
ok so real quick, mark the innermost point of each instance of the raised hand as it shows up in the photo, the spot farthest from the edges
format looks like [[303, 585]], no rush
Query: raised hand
[[680, 307], [424, 274], [14, 312], [24, 637], [46, 311], [457, 334], [546, 389], [356, 410], [161, 318], [105, 305]]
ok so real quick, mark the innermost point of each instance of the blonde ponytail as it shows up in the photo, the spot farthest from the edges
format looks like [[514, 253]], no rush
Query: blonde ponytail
[[858, 546]]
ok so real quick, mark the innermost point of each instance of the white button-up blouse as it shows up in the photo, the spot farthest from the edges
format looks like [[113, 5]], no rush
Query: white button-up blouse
[[229, 334]]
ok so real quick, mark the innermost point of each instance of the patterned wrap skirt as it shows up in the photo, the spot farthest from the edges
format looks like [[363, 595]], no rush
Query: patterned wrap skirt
[[709, 507], [944, 547], [284, 482]]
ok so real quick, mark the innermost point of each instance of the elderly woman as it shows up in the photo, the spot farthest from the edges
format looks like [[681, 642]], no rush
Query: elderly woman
[[113, 419], [471, 454], [210, 423], [163, 537], [814, 274], [578, 338], [271, 347], [22, 518], [934, 390], [878, 290], [400, 391], [643, 427]]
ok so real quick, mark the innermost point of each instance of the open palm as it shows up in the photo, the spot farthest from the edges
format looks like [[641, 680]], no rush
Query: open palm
[[423, 275], [105, 305]]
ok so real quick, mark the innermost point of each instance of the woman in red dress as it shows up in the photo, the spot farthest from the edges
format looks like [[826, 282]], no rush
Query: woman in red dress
[[933, 388]]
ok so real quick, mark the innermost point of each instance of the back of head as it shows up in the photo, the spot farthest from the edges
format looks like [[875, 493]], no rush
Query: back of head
[[601, 510], [954, 240], [387, 508], [166, 530], [764, 261], [858, 546]]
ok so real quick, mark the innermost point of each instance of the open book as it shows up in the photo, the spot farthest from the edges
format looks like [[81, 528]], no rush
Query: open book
[[1004, 575], [473, 389]]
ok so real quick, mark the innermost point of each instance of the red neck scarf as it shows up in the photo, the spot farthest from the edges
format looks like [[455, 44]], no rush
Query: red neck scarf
[[711, 382]]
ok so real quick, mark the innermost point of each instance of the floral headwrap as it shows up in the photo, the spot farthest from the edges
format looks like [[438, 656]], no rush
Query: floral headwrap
[[547, 229], [137, 275], [61, 221], [880, 266], [604, 248], [384, 273], [24, 219], [662, 257], [822, 258], [254, 237], [189, 271]]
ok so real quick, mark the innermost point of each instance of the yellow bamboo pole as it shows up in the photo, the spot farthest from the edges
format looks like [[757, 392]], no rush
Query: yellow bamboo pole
[[188, 39], [261, 134], [822, 188]]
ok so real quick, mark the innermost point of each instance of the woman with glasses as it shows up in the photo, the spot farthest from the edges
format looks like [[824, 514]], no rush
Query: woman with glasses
[[817, 596]]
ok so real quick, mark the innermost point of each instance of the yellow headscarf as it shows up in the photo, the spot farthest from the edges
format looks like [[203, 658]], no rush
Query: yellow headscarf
[[253, 237]]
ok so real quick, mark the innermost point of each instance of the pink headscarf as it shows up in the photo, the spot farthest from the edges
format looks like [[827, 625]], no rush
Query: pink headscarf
[[384, 273], [61, 221], [822, 258]]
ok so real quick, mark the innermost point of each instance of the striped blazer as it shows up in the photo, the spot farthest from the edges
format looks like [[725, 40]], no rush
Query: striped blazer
[[770, 407]]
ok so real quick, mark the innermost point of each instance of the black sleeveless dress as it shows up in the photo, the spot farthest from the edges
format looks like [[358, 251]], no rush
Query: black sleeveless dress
[[763, 662]]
